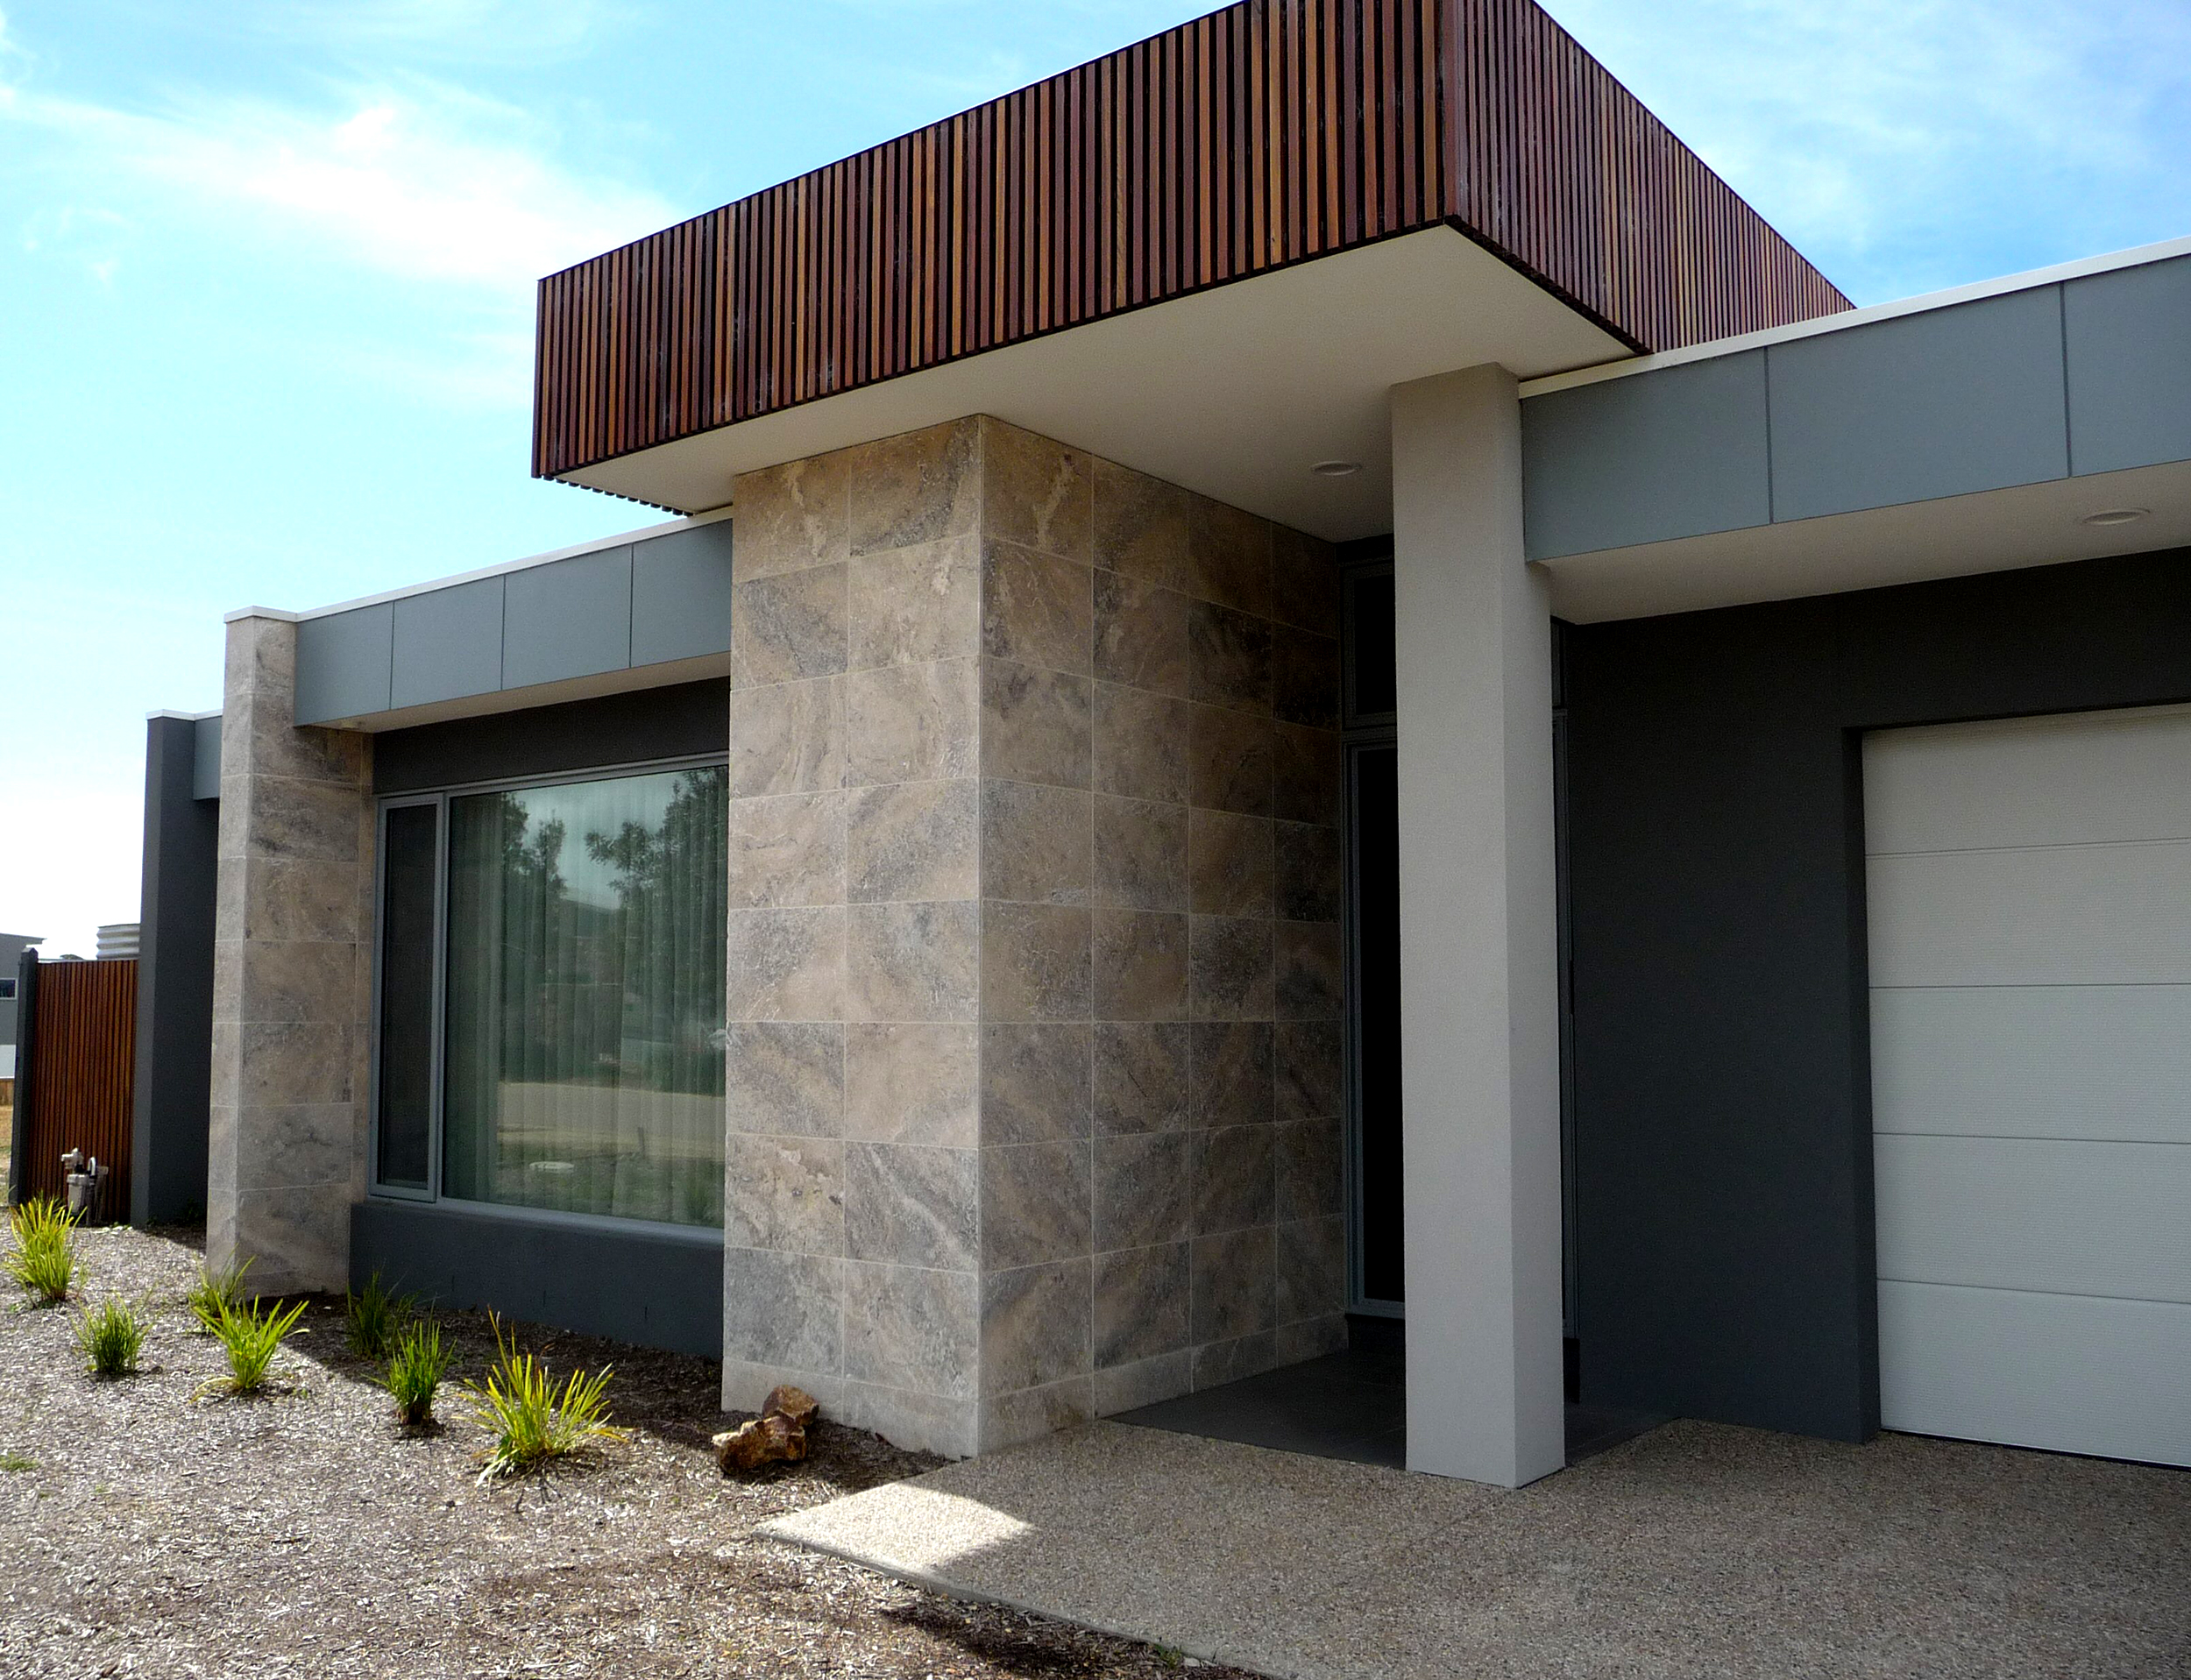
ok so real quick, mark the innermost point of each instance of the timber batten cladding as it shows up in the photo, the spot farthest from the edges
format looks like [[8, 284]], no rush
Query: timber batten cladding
[[1269, 133], [83, 1075]]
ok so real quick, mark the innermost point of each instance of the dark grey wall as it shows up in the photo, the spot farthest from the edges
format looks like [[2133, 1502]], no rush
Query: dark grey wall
[[683, 721], [205, 777], [175, 980], [660, 1289], [1722, 1124]]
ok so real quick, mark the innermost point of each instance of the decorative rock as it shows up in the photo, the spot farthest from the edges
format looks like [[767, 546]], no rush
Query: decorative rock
[[788, 1401], [763, 1441], [779, 1434]]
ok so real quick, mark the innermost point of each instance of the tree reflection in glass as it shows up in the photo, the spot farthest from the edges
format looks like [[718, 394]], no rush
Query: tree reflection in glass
[[584, 1048]]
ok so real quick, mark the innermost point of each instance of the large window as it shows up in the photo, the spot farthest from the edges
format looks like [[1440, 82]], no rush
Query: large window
[[551, 996]]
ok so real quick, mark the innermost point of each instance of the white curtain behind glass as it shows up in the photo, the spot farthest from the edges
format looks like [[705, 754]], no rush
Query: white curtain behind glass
[[583, 1052]]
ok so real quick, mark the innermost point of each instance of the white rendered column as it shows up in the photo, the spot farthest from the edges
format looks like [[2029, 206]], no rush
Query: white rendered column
[[1479, 950]]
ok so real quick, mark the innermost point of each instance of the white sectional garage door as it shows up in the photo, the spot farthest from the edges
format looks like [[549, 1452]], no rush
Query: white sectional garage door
[[2029, 903]]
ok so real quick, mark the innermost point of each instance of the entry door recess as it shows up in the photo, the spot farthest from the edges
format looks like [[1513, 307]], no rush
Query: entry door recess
[[2030, 904]]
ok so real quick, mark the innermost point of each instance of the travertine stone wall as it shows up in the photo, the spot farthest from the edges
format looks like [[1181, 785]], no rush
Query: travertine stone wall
[[850, 1212], [1034, 954], [292, 975]]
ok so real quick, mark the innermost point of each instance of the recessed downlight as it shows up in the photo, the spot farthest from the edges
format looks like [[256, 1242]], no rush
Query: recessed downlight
[[1336, 469], [2116, 516]]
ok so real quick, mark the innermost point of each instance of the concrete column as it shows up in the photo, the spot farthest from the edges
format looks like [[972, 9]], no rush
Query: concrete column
[[291, 968], [1478, 957]]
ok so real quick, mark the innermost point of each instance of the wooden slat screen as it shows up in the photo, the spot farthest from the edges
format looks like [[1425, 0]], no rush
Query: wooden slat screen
[[83, 1066], [1268, 133]]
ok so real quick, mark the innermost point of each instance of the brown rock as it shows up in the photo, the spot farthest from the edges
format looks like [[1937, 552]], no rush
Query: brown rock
[[763, 1441], [786, 1401]]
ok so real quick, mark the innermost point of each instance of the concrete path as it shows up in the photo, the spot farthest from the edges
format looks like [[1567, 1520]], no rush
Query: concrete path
[[1697, 1550]]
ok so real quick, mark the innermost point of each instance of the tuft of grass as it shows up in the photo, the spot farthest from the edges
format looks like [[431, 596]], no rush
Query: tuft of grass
[[10, 1462], [250, 1335], [216, 1292], [112, 1336], [532, 1422], [415, 1369], [376, 1318], [43, 1259]]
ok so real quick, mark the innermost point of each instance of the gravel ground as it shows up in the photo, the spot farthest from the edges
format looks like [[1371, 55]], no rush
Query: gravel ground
[[144, 1532]]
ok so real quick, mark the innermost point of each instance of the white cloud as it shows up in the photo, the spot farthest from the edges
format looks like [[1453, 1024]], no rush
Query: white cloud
[[1893, 139], [420, 182], [459, 203]]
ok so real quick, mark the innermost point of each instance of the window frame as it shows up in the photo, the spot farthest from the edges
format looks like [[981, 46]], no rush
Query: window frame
[[1352, 717], [438, 803], [1359, 732], [439, 798]]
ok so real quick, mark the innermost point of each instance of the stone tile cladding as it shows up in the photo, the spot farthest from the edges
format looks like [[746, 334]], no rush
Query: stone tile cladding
[[1034, 949], [292, 977]]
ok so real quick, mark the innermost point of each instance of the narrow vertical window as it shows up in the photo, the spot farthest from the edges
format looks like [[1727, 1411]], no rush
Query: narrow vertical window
[[1373, 667], [409, 844], [582, 1036]]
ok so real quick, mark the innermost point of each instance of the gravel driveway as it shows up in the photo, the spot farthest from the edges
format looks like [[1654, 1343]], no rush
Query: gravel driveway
[[142, 1533]]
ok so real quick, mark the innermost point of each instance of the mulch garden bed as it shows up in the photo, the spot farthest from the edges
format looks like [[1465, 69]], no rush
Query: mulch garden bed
[[144, 1532]]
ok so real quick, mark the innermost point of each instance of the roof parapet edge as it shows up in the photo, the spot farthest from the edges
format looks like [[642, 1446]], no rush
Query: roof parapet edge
[[2030, 280], [596, 545]]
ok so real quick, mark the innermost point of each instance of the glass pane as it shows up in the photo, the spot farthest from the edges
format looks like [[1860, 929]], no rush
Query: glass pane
[[584, 1040], [406, 995], [1370, 657], [1377, 998]]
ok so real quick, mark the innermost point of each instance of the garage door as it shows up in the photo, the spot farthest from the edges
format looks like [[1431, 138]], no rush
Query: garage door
[[2030, 904]]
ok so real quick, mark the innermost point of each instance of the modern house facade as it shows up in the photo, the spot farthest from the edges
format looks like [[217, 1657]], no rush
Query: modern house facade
[[1301, 671]]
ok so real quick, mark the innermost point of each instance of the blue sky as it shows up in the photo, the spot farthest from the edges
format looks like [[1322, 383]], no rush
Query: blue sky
[[266, 267]]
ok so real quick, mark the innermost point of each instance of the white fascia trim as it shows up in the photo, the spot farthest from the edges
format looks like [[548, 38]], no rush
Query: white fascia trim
[[553, 554], [2137, 257], [184, 717]]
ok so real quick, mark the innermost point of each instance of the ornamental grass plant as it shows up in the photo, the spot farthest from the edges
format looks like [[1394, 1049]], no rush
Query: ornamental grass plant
[[215, 1290], [250, 1334], [43, 1257], [531, 1421], [420, 1361], [112, 1337], [375, 1318]]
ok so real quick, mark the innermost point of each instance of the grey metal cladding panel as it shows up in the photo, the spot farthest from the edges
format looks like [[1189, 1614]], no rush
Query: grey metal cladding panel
[[448, 643], [2129, 337], [205, 757], [1937, 404], [680, 606], [342, 663], [1679, 452], [571, 618]]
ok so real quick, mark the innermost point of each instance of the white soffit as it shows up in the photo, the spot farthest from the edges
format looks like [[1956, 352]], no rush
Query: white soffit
[[1956, 537], [1235, 392]]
